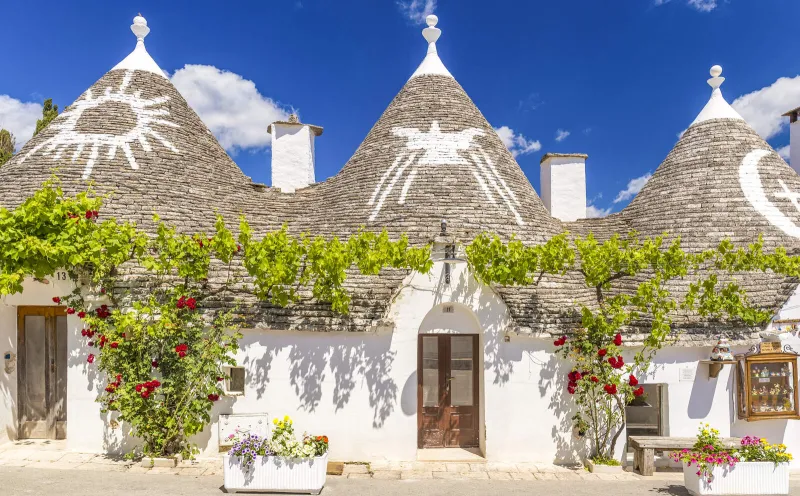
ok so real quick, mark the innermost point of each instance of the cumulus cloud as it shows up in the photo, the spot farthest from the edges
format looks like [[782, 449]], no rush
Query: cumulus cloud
[[19, 118], [517, 144], [416, 10], [594, 212], [784, 152], [701, 5], [230, 105], [561, 135], [762, 108], [634, 186]]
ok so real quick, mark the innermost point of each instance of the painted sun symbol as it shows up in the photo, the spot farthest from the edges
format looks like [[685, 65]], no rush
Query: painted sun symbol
[[70, 135]]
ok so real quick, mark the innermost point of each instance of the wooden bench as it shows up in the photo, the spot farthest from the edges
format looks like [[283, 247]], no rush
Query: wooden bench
[[645, 447]]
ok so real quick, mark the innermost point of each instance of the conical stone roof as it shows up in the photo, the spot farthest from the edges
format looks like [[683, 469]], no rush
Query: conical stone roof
[[132, 133], [432, 156]]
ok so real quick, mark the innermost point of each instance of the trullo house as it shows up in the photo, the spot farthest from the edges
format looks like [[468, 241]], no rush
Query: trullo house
[[431, 167]]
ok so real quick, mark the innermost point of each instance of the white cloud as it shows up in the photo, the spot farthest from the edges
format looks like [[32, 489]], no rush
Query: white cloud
[[561, 135], [19, 118], [593, 212], [784, 152], [762, 108], [703, 5], [231, 106], [517, 144], [634, 186], [417, 10]]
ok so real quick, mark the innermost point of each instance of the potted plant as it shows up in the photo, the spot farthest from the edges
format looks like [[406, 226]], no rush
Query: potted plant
[[756, 468], [280, 463]]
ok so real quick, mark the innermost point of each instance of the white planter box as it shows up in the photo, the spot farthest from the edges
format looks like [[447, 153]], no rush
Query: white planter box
[[744, 478], [276, 474]]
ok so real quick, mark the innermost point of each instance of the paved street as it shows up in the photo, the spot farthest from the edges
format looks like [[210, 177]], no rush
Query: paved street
[[17, 481]]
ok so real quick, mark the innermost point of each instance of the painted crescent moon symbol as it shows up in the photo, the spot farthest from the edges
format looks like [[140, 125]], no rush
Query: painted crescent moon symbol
[[753, 190]]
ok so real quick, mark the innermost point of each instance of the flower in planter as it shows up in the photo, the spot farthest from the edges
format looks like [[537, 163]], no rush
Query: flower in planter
[[56, 299], [81, 315], [90, 358], [618, 339], [70, 311], [602, 352], [633, 381]]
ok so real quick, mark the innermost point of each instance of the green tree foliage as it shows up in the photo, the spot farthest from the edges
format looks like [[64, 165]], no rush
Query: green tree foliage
[[600, 381], [7, 145], [160, 345], [49, 112]]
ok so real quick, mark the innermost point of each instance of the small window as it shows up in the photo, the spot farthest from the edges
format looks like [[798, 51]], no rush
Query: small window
[[234, 382], [448, 309]]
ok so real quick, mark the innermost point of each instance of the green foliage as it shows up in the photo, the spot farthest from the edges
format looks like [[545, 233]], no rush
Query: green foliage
[[600, 381], [160, 347], [7, 145], [49, 112]]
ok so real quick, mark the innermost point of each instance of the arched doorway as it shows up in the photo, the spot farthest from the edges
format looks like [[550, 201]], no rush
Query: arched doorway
[[448, 373]]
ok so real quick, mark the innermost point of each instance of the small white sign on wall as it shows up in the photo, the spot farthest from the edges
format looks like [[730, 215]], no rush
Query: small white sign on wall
[[686, 374]]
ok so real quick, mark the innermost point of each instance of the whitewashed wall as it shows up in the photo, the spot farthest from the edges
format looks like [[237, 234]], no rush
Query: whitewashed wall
[[360, 389], [292, 157]]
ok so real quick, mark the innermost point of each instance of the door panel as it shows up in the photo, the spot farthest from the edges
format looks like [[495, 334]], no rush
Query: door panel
[[448, 391], [42, 372]]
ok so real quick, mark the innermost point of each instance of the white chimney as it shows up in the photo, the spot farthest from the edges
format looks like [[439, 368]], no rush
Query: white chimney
[[563, 178], [794, 139], [292, 154]]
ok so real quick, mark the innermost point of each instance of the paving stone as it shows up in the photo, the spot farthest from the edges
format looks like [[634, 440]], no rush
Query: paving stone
[[359, 476], [415, 474], [45, 456], [386, 474], [528, 467], [429, 466], [545, 476], [447, 475], [401, 465], [571, 476], [458, 467], [78, 457], [499, 475], [475, 475], [501, 467], [380, 465], [606, 477], [526, 476], [355, 468], [164, 471], [138, 469], [102, 467], [477, 467], [192, 471], [589, 476], [16, 463]]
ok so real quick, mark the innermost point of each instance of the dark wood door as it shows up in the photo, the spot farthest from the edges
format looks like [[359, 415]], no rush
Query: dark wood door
[[447, 391], [42, 372]]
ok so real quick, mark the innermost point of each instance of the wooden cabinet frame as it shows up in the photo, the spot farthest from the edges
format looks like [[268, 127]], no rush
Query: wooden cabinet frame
[[745, 385]]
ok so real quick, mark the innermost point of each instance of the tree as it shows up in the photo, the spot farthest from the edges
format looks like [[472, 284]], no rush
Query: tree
[[49, 112], [629, 278], [7, 144]]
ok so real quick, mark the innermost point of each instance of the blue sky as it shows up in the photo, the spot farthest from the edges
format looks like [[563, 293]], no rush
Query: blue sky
[[622, 77]]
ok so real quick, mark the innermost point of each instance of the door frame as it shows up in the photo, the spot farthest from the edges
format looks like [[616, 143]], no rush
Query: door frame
[[49, 312], [476, 397]]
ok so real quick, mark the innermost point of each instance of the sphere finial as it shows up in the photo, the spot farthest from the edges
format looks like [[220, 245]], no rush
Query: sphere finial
[[431, 20], [716, 79], [139, 27], [431, 33]]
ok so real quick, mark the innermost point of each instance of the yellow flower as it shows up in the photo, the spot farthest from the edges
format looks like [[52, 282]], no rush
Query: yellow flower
[[275, 421], [286, 419]]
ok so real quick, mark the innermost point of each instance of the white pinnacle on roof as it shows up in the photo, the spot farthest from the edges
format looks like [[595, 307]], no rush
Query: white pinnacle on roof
[[139, 59], [717, 107], [432, 64]]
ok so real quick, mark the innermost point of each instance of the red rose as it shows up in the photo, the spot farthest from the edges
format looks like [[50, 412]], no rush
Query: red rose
[[145, 394], [610, 388], [90, 358], [191, 303], [56, 299], [213, 397], [70, 310], [639, 391], [602, 352], [633, 381], [620, 363], [238, 247], [95, 213], [119, 377], [138, 388], [613, 362], [109, 389], [88, 214], [91, 343], [84, 332], [114, 344], [595, 379], [81, 314], [618, 339], [220, 379], [182, 354], [571, 389], [156, 383], [154, 363], [103, 290]]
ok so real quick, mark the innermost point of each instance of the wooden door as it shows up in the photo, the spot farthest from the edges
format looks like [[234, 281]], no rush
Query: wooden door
[[42, 372], [447, 391]]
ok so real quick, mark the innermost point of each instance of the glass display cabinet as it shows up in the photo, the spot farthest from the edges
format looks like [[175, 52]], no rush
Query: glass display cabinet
[[767, 384]]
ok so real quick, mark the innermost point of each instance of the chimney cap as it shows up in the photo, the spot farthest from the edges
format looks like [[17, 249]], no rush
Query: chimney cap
[[792, 113], [565, 155], [293, 120]]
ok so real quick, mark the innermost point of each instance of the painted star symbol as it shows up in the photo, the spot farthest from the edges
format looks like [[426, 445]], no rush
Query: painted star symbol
[[440, 148]]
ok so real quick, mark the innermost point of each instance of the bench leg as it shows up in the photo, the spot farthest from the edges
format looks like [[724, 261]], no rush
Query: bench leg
[[648, 462]]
